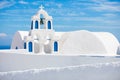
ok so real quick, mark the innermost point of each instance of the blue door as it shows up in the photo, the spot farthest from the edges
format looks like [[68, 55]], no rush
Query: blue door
[[55, 46], [24, 45], [30, 46], [16, 47], [36, 24], [49, 25]]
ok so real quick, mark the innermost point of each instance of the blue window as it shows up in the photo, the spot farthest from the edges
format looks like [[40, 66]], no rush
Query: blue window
[[16, 47], [31, 25], [30, 46], [36, 24], [49, 25], [55, 46], [24, 45]]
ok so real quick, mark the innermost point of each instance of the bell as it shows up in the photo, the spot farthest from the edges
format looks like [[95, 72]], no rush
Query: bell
[[41, 21]]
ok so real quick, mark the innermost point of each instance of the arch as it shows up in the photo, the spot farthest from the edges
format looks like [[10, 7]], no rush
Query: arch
[[41, 16], [31, 25], [42, 21], [24, 45], [30, 46], [16, 47], [43, 12], [55, 46], [18, 39], [49, 25], [36, 24]]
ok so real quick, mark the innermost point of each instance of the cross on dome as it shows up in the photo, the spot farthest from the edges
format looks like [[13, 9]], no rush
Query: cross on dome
[[41, 7]]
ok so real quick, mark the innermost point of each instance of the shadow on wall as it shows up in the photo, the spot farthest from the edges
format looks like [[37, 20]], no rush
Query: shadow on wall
[[118, 51]]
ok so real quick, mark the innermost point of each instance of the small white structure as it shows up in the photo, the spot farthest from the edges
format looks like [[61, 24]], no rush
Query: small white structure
[[42, 38]]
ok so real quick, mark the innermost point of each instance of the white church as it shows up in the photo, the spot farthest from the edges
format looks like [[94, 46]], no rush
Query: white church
[[42, 47], [43, 39]]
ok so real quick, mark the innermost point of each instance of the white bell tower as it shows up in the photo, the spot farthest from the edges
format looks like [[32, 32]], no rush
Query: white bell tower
[[40, 38], [41, 20]]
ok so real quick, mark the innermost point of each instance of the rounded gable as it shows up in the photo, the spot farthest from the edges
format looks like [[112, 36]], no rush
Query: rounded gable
[[85, 42], [18, 39]]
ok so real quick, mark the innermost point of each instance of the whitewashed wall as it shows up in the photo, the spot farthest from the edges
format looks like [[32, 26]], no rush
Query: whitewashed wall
[[86, 42], [18, 39], [15, 61]]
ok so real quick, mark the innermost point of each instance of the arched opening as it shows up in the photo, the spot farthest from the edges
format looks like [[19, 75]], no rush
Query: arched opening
[[36, 24], [24, 45], [31, 25], [41, 16], [30, 46], [49, 25], [42, 21], [16, 47], [55, 46]]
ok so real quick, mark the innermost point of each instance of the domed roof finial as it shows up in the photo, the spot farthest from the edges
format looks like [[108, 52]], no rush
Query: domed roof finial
[[41, 7]]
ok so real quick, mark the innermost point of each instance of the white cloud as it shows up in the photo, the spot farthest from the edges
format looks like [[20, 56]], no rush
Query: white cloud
[[35, 3], [55, 4], [72, 14], [82, 13], [96, 19], [98, 5], [23, 2], [4, 4], [109, 15], [3, 34], [59, 5], [104, 5]]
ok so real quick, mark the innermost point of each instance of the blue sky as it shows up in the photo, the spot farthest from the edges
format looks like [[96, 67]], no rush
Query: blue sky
[[68, 15]]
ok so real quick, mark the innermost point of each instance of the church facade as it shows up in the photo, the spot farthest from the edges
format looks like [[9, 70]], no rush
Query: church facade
[[42, 38]]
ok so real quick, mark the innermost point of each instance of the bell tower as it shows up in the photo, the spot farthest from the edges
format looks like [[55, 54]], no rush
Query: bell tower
[[41, 20], [41, 35]]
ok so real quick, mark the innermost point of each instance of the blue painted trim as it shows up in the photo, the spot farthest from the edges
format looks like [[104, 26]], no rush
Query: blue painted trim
[[55, 46], [36, 24], [49, 25], [31, 25], [16, 47], [30, 46], [24, 45]]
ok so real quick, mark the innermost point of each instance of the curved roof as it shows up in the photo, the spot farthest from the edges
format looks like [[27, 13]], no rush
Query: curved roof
[[85, 42], [18, 39], [109, 40]]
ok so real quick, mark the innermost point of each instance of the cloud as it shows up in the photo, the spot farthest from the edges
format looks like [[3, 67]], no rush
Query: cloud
[[104, 5], [35, 3], [4, 4], [109, 15], [3, 34], [53, 4], [59, 5], [23, 2], [98, 5]]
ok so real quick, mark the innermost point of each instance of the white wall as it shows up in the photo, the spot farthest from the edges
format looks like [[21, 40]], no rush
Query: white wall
[[118, 51], [20, 60], [105, 71], [18, 39], [109, 40], [85, 42]]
